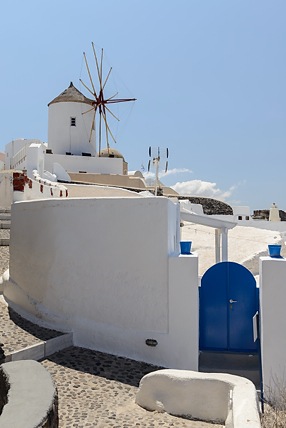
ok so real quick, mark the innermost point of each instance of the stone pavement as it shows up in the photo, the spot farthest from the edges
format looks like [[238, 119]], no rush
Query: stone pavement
[[17, 333], [95, 389], [98, 390]]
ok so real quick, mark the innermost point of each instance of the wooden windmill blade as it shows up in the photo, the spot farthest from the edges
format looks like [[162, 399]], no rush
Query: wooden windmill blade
[[101, 104], [89, 74], [92, 126]]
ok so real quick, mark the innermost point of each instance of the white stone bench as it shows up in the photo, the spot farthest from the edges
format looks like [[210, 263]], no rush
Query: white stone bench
[[32, 396], [211, 397]]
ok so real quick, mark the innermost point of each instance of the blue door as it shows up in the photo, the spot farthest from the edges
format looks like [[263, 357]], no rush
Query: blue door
[[228, 302]]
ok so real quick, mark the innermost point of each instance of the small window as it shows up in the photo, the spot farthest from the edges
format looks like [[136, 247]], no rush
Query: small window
[[239, 217], [247, 217], [73, 121]]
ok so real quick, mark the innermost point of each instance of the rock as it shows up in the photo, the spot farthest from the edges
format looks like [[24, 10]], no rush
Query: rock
[[210, 206]]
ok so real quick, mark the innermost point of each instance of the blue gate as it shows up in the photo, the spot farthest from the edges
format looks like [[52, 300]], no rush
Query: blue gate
[[228, 302]]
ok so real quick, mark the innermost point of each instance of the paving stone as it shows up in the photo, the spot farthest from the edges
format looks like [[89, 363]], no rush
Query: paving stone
[[4, 259]]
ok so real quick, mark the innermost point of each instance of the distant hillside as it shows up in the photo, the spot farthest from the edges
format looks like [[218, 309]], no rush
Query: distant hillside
[[264, 215], [210, 206]]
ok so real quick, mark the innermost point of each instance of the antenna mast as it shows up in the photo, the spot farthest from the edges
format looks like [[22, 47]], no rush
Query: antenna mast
[[155, 157]]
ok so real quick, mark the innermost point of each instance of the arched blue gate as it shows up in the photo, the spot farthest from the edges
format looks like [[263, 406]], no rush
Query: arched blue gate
[[228, 302]]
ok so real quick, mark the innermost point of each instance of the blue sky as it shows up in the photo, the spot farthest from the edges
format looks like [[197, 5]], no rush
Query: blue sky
[[208, 75]]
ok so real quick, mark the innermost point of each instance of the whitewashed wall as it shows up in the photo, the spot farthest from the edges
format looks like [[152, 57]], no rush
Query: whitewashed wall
[[18, 147], [109, 270], [273, 323], [35, 159], [279, 226], [6, 189], [93, 164], [64, 138]]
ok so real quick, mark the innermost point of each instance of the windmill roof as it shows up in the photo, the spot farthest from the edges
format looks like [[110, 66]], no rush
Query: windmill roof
[[71, 95]]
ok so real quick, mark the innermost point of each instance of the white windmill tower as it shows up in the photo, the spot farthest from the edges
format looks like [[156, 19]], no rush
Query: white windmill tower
[[68, 128]]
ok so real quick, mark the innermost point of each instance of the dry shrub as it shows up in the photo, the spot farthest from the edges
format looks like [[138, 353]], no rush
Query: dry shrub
[[273, 418], [275, 410]]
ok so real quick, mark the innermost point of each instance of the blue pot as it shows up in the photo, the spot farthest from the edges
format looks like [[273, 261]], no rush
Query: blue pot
[[186, 247], [274, 250]]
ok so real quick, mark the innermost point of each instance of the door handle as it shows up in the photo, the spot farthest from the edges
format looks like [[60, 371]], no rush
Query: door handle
[[232, 301]]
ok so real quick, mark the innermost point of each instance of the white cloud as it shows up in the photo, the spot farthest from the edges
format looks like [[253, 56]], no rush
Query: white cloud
[[174, 171], [162, 173], [202, 188]]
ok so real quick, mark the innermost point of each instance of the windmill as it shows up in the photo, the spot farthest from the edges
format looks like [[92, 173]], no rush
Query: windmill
[[101, 105], [155, 155]]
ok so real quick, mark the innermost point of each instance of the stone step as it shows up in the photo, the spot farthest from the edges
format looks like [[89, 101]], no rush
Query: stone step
[[245, 365], [5, 216], [42, 349], [4, 242], [5, 210], [228, 359], [5, 225]]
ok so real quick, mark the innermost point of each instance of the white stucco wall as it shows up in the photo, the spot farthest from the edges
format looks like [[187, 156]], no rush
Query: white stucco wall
[[241, 210], [64, 138], [35, 159], [6, 189], [273, 323], [93, 164], [109, 270], [18, 146]]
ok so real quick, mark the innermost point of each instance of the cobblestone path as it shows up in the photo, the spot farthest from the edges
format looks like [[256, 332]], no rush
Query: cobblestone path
[[98, 390]]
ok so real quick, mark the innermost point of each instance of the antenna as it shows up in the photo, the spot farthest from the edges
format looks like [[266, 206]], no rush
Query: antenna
[[155, 155]]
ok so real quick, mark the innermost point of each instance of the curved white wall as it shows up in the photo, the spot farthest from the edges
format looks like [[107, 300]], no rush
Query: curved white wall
[[64, 138], [109, 270]]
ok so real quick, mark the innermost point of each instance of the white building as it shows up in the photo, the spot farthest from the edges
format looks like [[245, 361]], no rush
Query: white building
[[70, 155]]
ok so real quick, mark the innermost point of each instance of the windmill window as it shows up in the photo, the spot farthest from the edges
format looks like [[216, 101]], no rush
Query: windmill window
[[73, 121]]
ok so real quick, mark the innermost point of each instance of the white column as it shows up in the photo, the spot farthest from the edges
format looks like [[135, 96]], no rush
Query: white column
[[224, 245], [217, 245]]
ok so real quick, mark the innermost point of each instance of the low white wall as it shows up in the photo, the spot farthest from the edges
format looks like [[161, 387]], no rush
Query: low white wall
[[279, 226], [32, 396], [40, 189], [92, 164], [109, 270], [273, 323], [212, 397]]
